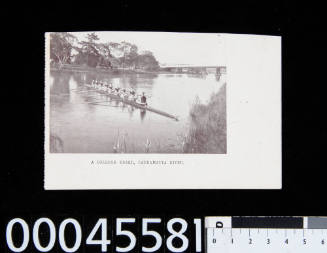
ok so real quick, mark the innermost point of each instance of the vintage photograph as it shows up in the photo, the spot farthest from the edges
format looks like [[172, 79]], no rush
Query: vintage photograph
[[162, 110], [136, 92]]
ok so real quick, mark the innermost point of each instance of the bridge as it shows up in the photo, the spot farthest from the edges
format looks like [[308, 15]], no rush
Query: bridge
[[193, 69]]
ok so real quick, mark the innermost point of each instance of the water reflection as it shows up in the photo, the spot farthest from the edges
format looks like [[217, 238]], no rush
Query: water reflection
[[142, 114], [60, 84], [84, 121]]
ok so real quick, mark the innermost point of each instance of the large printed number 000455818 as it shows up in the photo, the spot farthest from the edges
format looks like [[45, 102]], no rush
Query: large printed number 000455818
[[104, 241]]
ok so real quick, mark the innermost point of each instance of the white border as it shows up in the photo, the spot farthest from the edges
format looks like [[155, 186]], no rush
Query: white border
[[253, 159]]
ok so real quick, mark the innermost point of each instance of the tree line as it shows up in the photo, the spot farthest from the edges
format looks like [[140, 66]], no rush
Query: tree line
[[65, 48]]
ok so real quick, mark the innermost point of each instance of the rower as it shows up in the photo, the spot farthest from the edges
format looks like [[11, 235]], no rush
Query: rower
[[109, 88], [122, 93], [132, 95], [132, 92]]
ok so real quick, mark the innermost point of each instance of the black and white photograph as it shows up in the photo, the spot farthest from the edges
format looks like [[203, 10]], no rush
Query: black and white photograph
[[125, 92], [126, 110]]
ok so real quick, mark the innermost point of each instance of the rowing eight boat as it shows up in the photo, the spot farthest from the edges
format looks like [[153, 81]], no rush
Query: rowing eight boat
[[135, 104]]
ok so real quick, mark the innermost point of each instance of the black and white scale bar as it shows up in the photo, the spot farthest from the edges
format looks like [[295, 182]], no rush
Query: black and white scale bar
[[266, 234], [291, 222], [267, 222]]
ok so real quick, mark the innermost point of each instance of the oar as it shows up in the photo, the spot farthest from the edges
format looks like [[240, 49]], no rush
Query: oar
[[76, 89], [96, 95], [66, 94], [103, 104], [95, 103], [148, 96], [85, 91]]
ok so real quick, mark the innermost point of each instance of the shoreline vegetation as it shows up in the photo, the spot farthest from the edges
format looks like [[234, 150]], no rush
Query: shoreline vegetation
[[68, 53], [85, 69], [66, 49], [207, 131]]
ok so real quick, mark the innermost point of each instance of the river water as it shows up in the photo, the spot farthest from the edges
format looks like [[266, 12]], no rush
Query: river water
[[82, 126]]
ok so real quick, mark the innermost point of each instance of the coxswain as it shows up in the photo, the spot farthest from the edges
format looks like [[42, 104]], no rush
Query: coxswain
[[143, 99]]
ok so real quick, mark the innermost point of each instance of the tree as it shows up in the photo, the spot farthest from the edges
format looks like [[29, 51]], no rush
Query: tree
[[129, 54], [105, 54], [90, 50], [61, 45], [93, 53], [147, 61]]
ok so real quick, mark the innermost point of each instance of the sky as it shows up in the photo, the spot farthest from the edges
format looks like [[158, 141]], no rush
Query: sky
[[172, 48]]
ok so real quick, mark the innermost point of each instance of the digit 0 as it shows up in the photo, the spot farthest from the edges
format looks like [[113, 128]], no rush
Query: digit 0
[[78, 231], [36, 238], [26, 235]]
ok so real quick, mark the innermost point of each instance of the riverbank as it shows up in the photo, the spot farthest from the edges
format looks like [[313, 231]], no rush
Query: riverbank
[[85, 69], [207, 133]]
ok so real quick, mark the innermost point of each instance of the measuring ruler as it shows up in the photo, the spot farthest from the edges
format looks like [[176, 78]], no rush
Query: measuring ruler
[[266, 234]]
